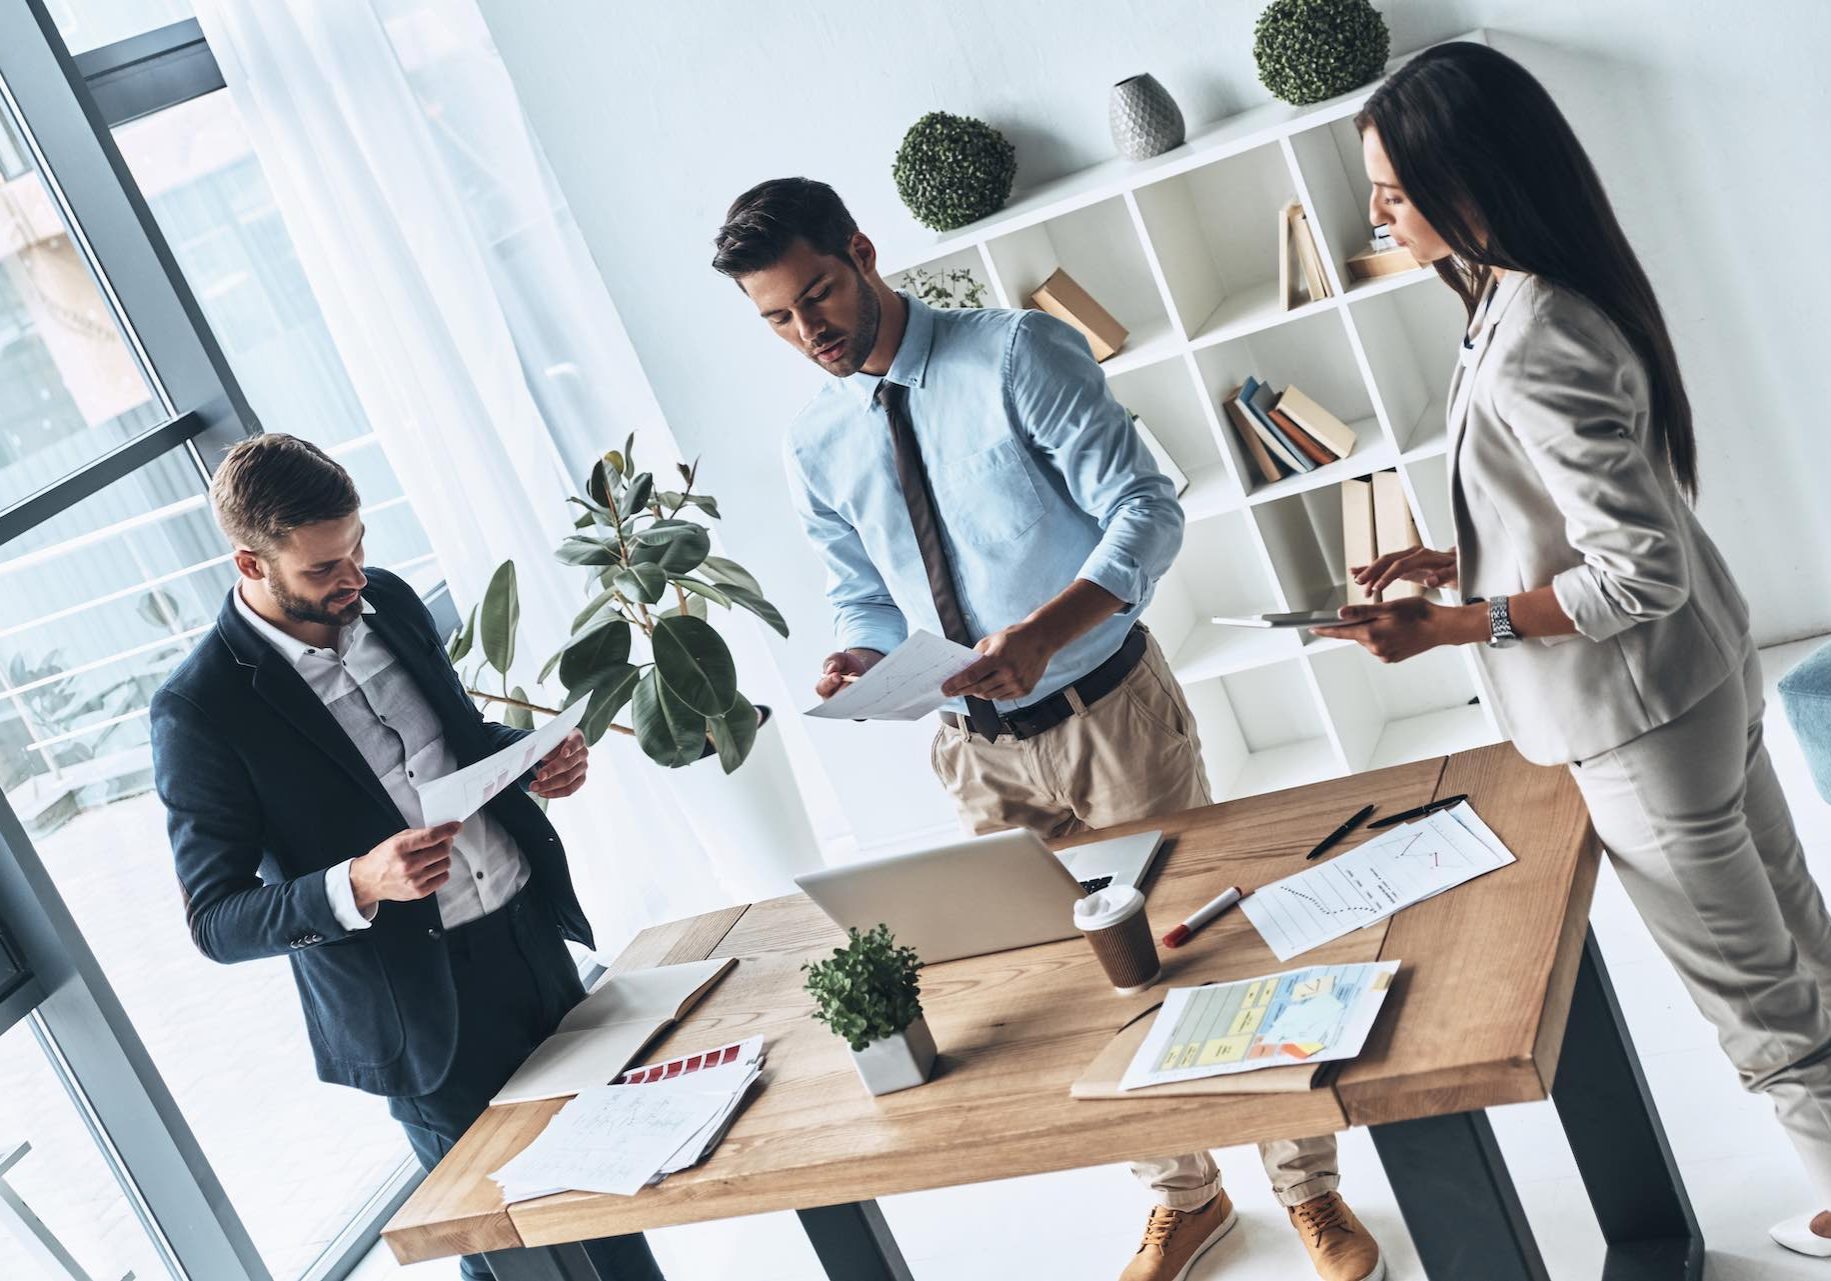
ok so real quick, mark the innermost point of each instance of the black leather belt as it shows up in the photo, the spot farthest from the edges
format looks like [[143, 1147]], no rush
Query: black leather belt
[[1045, 714]]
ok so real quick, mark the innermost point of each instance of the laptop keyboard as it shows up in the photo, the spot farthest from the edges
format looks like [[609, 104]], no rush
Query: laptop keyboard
[[1096, 884]]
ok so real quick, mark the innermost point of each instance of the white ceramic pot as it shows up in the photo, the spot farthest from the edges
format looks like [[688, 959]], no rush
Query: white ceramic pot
[[897, 1062]]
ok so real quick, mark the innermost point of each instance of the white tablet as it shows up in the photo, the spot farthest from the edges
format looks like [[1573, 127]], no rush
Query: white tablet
[[1307, 618]]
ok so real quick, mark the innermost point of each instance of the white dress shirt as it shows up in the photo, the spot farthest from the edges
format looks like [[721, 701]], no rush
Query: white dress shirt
[[373, 698]]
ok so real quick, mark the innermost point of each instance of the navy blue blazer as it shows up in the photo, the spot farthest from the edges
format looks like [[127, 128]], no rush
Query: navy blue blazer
[[264, 791]]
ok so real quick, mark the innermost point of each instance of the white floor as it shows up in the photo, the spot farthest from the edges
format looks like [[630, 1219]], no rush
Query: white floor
[[1083, 1226]]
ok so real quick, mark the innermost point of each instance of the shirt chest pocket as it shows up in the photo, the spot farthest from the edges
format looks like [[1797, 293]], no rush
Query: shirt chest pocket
[[988, 498]]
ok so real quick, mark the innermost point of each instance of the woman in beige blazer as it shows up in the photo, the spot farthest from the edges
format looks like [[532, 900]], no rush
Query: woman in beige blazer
[[1613, 636]]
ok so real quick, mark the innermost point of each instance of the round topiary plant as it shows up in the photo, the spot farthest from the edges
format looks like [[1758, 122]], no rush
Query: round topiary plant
[[952, 170], [1308, 50]]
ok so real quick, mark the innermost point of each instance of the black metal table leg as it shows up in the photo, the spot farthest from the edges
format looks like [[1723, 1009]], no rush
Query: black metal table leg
[[1619, 1144], [1453, 1188], [542, 1263], [854, 1243]]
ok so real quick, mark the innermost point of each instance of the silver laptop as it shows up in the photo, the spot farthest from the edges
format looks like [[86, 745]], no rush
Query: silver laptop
[[978, 894]]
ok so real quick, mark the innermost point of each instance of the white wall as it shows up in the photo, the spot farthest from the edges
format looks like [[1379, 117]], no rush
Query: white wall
[[1707, 118]]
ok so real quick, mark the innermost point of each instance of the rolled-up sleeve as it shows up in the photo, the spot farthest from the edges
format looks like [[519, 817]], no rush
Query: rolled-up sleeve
[[864, 615], [1572, 394], [1059, 399]]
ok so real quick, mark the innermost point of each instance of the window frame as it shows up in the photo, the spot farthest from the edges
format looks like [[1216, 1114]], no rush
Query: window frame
[[67, 108]]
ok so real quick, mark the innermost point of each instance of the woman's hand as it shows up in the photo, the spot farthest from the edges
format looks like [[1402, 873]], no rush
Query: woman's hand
[[1396, 629], [1414, 564]]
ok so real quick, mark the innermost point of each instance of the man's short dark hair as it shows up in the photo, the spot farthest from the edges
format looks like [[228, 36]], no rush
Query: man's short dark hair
[[764, 222], [271, 484]]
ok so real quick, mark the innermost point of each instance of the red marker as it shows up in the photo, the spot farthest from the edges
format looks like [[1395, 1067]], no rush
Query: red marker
[[1180, 935]]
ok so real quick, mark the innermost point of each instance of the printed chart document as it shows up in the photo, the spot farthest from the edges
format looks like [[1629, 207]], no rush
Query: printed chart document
[[602, 1033], [1305, 1016], [1406, 865], [457, 796], [904, 686]]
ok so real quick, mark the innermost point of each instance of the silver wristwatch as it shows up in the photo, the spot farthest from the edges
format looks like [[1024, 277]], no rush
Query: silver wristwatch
[[1500, 624]]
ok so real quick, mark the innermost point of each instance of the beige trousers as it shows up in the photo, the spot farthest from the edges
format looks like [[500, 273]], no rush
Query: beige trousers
[[1694, 821], [1132, 755]]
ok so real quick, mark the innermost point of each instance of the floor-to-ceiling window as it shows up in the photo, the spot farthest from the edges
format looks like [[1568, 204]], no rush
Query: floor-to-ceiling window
[[157, 1084]]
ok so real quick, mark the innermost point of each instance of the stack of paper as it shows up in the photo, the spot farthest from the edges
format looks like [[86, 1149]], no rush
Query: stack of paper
[[617, 1139], [904, 686], [1406, 865]]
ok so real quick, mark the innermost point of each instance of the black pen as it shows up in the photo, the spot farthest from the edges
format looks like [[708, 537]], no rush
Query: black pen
[[1323, 845], [1430, 808]]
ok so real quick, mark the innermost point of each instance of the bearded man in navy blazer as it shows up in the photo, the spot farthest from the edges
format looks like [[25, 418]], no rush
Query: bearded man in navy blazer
[[289, 748]]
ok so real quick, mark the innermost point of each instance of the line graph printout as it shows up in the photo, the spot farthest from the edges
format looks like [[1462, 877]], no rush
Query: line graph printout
[[1312, 1015], [1406, 865], [904, 686]]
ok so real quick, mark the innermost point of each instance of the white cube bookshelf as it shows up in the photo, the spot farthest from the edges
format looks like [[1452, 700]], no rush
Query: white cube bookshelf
[[1182, 249]]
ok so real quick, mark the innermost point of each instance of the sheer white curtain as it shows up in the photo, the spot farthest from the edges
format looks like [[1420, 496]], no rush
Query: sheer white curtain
[[493, 366]]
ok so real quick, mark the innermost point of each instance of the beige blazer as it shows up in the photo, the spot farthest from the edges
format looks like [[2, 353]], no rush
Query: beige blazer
[[1554, 479]]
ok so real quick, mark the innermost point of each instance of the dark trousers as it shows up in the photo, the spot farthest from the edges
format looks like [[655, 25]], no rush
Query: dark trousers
[[515, 980]]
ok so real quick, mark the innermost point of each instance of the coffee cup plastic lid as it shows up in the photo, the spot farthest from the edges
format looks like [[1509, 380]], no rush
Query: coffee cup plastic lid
[[1106, 907]]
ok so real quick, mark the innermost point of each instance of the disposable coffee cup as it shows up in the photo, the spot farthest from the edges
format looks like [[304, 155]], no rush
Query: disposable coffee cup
[[1114, 922]]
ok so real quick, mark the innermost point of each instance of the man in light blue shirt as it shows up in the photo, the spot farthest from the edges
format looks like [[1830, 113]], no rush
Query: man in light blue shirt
[[968, 472]]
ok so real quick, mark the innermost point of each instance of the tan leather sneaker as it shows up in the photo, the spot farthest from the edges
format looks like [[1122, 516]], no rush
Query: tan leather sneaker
[[1341, 1249], [1175, 1239]]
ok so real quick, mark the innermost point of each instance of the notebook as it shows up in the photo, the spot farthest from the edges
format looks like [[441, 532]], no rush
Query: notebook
[[605, 1032]]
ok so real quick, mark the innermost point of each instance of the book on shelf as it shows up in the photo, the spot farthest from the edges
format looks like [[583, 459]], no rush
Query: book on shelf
[[1371, 264], [1335, 435], [1359, 546], [1393, 528], [1307, 444], [1259, 398], [1248, 432], [1064, 299], [1298, 258]]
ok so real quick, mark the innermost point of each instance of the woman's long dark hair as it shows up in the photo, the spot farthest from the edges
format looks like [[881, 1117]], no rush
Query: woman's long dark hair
[[1490, 162]]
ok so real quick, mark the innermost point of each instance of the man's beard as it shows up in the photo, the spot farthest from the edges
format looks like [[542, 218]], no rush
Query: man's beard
[[302, 610], [863, 336]]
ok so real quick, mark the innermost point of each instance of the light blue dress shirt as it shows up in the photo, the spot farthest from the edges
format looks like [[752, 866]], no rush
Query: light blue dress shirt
[[1038, 479]]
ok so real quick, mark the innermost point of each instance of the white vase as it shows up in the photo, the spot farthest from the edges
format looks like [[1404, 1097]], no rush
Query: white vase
[[751, 823], [897, 1062]]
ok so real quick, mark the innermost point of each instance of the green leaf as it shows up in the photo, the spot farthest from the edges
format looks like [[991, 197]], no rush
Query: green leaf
[[720, 570], [705, 502], [608, 693], [546, 668], [696, 608], [678, 546], [641, 489], [517, 717], [641, 582], [593, 651], [693, 660], [462, 639], [597, 485], [583, 549], [670, 732], [698, 588], [629, 453], [735, 733], [598, 510], [500, 617], [757, 605], [598, 602]]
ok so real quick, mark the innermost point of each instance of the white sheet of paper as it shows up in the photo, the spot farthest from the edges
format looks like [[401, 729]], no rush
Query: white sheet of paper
[[1406, 865], [457, 796], [904, 686], [611, 1139]]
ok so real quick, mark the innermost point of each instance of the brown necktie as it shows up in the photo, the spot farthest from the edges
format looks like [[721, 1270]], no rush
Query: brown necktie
[[921, 502]]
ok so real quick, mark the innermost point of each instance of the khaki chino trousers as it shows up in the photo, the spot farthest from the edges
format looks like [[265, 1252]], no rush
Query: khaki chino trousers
[[1132, 755], [1695, 823]]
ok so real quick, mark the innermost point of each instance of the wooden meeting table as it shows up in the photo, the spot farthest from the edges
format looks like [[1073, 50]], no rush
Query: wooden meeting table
[[1501, 998]]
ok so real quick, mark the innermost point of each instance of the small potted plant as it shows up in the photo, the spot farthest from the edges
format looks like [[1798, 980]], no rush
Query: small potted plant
[[868, 994]]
